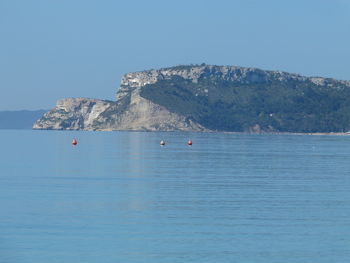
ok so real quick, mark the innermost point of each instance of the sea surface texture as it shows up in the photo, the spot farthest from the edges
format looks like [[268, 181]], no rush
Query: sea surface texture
[[121, 197]]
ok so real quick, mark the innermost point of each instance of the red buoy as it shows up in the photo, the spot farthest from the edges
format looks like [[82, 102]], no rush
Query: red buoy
[[74, 142], [189, 142], [162, 143]]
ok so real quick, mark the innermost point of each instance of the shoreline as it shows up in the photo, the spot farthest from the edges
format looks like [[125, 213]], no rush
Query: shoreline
[[208, 131], [292, 133]]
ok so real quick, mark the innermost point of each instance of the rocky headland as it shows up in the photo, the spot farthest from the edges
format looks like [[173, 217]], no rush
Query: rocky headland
[[211, 98]]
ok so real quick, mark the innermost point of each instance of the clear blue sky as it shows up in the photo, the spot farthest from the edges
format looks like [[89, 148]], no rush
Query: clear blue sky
[[52, 49]]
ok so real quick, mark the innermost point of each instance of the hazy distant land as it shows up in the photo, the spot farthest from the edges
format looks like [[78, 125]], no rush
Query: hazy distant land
[[21, 119]]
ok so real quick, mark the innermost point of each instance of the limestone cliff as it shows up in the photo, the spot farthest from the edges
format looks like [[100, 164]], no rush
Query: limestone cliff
[[227, 73], [204, 97], [75, 114], [129, 112]]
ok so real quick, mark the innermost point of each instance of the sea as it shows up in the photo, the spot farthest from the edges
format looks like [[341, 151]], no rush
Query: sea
[[121, 197]]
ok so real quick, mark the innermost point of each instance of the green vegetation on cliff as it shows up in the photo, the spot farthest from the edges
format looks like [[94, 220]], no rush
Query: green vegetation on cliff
[[290, 105]]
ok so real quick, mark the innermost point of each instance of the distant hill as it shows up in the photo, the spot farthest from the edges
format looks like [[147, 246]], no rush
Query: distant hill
[[22, 119], [211, 98]]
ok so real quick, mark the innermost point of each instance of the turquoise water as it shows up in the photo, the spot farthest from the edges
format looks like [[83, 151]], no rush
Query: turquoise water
[[120, 197]]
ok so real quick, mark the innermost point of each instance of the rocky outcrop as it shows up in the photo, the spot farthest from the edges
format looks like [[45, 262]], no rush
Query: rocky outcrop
[[205, 97], [75, 114], [143, 114], [228, 73], [129, 112]]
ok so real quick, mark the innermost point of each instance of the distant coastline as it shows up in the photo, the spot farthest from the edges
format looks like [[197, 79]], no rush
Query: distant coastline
[[19, 119]]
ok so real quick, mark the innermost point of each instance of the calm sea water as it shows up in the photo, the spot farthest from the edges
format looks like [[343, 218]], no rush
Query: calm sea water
[[120, 197]]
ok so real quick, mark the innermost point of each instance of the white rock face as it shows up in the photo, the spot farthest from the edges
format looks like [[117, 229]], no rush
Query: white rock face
[[74, 114], [92, 114], [230, 73], [143, 114]]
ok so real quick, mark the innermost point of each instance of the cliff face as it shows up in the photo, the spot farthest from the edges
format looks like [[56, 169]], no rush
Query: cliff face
[[74, 114], [226, 73], [129, 112], [203, 98]]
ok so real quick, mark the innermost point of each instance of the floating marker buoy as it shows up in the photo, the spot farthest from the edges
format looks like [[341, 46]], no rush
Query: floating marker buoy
[[162, 142], [74, 142], [189, 142]]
